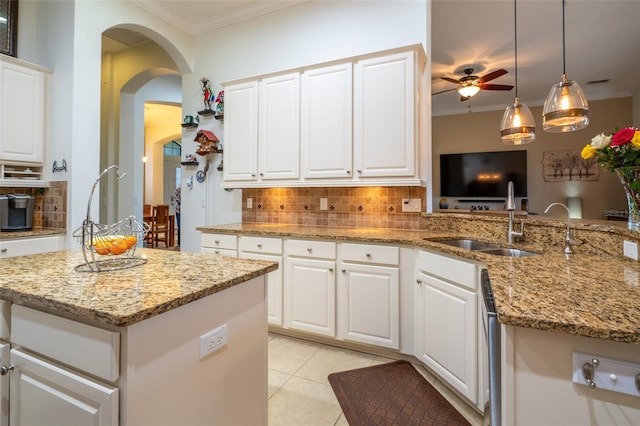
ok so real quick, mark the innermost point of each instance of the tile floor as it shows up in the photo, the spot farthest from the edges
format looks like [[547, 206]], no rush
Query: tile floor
[[299, 391]]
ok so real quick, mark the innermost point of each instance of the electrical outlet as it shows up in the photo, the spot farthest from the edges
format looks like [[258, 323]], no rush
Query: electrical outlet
[[411, 204], [323, 203], [249, 203], [213, 340], [630, 249]]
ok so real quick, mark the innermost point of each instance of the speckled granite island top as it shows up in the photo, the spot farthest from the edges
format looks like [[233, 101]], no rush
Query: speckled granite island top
[[591, 295], [168, 280]]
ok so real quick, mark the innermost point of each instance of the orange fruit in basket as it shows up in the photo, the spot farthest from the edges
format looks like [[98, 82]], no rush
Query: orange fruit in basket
[[131, 240], [119, 247], [102, 247]]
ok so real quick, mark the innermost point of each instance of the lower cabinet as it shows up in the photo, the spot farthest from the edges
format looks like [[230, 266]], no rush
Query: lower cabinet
[[32, 245], [369, 294], [222, 244], [446, 321], [310, 287], [58, 393]]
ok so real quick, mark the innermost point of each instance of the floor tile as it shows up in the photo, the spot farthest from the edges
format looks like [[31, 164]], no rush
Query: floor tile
[[302, 402], [330, 360], [287, 354], [276, 380]]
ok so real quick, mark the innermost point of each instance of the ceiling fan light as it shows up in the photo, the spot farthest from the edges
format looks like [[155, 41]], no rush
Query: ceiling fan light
[[566, 108], [468, 91], [517, 126]]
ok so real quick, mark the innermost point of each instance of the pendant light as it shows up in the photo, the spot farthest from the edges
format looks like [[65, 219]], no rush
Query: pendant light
[[517, 126], [566, 108]]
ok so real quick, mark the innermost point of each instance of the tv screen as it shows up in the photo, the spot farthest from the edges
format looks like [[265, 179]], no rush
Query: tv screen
[[483, 174]]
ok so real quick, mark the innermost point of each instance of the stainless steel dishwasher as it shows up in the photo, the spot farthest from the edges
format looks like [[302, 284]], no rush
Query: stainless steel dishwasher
[[492, 337]]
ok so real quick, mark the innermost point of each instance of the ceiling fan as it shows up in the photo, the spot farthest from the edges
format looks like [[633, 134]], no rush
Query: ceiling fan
[[471, 84]]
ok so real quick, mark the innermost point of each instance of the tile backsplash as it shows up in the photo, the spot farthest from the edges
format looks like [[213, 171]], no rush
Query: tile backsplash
[[50, 207], [359, 207]]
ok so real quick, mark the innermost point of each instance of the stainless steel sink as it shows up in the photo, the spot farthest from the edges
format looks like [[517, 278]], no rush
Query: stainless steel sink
[[484, 247], [466, 243], [509, 252]]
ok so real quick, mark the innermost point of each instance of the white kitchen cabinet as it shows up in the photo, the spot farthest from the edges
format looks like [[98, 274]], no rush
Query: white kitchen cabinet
[[279, 127], [241, 132], [222, 244], [22, 111], [32, 245], [384, 122], [310, 286], [446, 315], [326, 122], [267, 248], [43, 392], [369, 294]]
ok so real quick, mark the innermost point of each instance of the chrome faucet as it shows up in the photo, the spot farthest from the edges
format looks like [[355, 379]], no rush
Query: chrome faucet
[[511, 208], [568, 239]]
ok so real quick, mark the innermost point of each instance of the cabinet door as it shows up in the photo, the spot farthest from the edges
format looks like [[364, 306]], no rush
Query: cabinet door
[[274, 286], [310, 296], [22, 102], [279, 135], [43, 394], [241, 132], [4, 384], [326, 122], [369, 304], [447, 332], [384, 108]]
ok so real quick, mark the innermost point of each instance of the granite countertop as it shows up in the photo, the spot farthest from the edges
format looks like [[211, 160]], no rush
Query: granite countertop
[[591, 295], [35, 232], [124, 297]]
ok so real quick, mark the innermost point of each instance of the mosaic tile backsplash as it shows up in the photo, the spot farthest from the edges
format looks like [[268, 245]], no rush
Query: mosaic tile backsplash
[[50, 207], [360, 207]]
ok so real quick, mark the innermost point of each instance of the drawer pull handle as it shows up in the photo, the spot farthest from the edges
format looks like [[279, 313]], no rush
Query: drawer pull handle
[[4, 250], [4, 369]]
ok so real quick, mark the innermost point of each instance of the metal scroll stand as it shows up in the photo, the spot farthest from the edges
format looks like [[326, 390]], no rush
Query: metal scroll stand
[[109, 247]]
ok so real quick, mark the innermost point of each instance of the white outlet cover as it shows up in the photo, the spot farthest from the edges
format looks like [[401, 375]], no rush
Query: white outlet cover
[[630, 249]]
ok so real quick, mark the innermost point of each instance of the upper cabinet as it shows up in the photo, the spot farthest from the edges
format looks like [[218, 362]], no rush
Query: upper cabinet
[[348, 123], [22, 117]]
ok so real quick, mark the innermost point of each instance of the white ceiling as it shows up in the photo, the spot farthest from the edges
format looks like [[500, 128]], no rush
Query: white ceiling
[[602, 43]]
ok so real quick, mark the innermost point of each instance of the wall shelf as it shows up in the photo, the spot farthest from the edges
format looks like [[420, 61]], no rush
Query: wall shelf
[[189, 163], [189, 125]]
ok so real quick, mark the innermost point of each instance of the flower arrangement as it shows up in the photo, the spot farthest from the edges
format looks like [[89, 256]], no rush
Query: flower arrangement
[[621, 149]]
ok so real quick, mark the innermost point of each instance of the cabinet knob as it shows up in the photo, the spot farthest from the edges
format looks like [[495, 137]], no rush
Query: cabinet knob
[[261, 174], [259, 246], [348, 172], [4, 250], [330, 269], [368, 255], [344, 271], [216, 251], [253, 175], [309, 249], [419, 281], [4, 369], [217, 241], [359, 171]]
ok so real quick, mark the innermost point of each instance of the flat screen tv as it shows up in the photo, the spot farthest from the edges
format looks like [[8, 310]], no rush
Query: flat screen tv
[[483, 174]]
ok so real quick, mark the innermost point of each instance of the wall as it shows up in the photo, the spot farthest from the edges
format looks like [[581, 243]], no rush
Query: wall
[[307, 34], [477, 132]]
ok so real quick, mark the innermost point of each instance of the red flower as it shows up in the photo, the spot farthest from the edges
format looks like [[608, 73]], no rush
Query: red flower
[[623, 137]]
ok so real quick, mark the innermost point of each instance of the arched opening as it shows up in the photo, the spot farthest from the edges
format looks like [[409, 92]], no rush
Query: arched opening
[[141, 108]]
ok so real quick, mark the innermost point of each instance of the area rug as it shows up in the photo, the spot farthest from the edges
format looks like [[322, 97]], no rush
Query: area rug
[[391, 394]]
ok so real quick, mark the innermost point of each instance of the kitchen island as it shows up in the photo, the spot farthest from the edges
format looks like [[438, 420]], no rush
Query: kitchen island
[[133, 336], [549, 306]]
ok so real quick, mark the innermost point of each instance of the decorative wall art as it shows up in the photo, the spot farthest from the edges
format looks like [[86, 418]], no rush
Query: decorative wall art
[[9, 27], [558, 166]]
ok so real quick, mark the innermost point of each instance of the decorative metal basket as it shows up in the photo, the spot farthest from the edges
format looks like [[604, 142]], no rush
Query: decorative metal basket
[[109, 247]]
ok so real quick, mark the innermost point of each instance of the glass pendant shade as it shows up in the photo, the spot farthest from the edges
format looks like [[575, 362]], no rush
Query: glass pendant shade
[[468, 91], [566, 108], [517, 126]]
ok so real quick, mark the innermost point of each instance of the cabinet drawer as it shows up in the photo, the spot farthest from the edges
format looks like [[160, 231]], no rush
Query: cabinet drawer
[[365, 253], [223, 241], [221, 252], [315, 249], [457, 271], [260, 245], [25, 246], [83, 347]]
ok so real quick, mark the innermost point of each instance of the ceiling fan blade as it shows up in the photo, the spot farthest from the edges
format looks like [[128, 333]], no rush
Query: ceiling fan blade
[[451, 80], [495, 87], [444, 91], [492, 75]]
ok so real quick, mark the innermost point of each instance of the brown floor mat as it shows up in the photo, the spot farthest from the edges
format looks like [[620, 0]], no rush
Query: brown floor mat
[[391, 394]]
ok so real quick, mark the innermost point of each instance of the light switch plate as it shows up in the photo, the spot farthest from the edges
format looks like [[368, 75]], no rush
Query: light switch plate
[[630, 249], [249, 203], [411, 204], [323, 203]]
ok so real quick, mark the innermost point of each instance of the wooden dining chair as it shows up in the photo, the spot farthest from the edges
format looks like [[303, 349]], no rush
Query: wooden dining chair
[[147, 217], [160, 225]]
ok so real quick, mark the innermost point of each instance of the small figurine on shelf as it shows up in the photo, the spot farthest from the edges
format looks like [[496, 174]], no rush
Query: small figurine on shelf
[[219, 105], [208, 96], [207, 142]]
